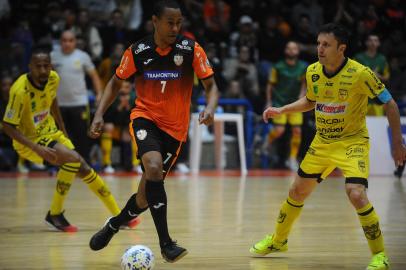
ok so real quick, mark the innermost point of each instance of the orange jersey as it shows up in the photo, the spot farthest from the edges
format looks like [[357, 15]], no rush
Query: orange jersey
[[164, 81]]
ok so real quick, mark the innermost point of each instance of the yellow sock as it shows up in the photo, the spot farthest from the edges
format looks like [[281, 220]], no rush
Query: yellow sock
[[272, 135], [134, 147], [64, 179], [99, 187], [370, 224], [295, 144], [289, 212], [106, 145]]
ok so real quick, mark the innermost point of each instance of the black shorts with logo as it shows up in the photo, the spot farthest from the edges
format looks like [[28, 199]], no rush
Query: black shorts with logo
[[149, 137]]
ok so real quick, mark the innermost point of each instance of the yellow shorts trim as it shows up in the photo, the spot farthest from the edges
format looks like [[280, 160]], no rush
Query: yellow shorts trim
[[294, 119], [45, 140], [351, 156]]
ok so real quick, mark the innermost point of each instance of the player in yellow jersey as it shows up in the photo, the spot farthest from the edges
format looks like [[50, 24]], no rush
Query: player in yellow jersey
[[337, 89], [29, 120]]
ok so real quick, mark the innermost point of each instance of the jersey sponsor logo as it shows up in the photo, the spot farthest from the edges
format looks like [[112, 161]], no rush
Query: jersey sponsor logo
[[361, 165], [346, 76], [338, 108], [146, 62], [343, 94], [123, 64], [141, 47], [183, 47], [351, 70], [355, 151], [332, 121], [162, 75], [178, 59], [330, 130], [10, 114], [141, 134], [311, 151], [329, 83], [315, 77], [345, 83], [40, 117]]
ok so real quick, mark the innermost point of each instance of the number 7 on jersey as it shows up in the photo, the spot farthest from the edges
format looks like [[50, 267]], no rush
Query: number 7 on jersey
[[163, 86]]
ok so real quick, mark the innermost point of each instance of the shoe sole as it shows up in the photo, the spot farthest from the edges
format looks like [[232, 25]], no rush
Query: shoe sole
[[259, 255], [183, 254], [55, 229]]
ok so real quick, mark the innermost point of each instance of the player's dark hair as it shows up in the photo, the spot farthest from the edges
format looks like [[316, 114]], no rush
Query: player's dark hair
[[339, 32], [160, 6], [41, 49]]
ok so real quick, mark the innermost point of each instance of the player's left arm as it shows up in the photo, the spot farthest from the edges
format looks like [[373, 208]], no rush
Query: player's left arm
[[399, 148], [370, 85], [212, 95], [205, 73], [56, 114]]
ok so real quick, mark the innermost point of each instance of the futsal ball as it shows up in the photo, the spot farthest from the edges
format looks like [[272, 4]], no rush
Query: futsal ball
[[137, 257]]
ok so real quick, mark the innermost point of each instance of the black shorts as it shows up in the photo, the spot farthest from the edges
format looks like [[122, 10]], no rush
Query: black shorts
[[149, 137]]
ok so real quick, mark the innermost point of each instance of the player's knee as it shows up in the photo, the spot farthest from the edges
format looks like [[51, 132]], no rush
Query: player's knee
[[279, 130], [356, 195], [298, 193], [153, 169], [297, 131]]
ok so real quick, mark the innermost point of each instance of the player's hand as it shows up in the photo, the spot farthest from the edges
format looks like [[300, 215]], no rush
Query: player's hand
[[47, 153], [96, 127], [271, 112], [399, 154], [206, 116]]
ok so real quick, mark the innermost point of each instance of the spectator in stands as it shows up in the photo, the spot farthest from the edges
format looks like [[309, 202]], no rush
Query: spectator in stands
[[90, 34], [216, 17], [72, 66], [312, 10], [397, 83], [115, 32], [100, 10], [245, 36], [305, 38], [377, 63], [245, 72], [8, 156], [287, 84], [271, 44]]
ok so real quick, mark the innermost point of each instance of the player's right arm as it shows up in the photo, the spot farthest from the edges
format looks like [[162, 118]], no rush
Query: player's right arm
[[301, 105], [125, 70]]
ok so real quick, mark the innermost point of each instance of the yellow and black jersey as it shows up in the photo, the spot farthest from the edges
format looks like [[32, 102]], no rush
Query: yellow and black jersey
[[341, 99], [29, 107]]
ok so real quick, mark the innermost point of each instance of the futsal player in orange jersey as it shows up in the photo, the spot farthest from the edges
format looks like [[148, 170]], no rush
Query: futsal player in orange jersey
[[163, 67]]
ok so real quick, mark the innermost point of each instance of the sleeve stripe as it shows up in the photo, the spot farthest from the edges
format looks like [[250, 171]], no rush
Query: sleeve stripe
[[310, 99]]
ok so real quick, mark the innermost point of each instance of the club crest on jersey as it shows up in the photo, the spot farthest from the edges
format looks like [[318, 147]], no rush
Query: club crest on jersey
[[141, 134], [141, 47], [178, 59], [343, 94], [315, 77]]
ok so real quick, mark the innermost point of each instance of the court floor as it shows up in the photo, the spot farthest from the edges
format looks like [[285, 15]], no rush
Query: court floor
[[216, 217]]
